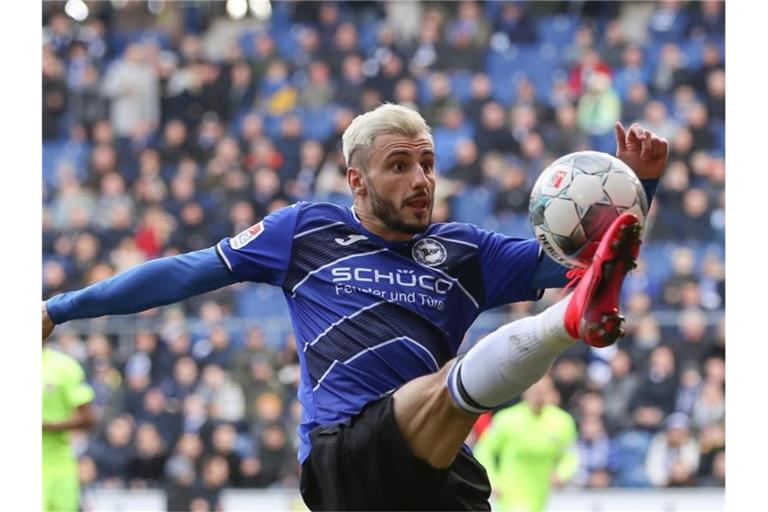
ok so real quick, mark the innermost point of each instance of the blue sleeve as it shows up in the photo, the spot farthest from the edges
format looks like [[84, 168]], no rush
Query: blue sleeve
[[650, 188], [508, 267], [262, 252], [550, 274], [151, 284]]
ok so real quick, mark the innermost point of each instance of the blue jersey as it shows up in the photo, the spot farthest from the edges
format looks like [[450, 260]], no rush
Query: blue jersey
[[370, 315]]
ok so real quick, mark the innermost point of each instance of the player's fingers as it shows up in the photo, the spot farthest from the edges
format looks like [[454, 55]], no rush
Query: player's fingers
[[621, 136], [657, 148], [663, 147], [646, 144], [634, 135]]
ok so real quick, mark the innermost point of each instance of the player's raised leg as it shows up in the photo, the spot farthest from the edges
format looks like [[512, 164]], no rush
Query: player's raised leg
[[436, 412]]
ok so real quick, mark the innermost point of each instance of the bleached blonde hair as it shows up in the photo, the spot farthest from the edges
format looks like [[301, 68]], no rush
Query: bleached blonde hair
[[388, 118]]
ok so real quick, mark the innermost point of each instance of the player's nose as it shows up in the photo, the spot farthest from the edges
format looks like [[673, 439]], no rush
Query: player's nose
[[420, 179]]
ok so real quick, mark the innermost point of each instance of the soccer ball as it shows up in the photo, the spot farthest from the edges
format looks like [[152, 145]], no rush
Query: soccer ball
[[577, 198]]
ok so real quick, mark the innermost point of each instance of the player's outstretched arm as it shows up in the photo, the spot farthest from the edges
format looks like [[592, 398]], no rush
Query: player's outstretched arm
[[151, 284]]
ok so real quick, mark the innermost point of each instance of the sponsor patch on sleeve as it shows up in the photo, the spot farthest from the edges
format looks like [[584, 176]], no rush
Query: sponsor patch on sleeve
[[244, 238]]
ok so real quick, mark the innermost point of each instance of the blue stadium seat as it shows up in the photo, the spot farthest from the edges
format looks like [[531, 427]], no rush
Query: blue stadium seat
[[473, 206], [445, 144], [318, 123], [285, 39], [718, 126], [259, 301], [557, 30], [368, 34], [694, 51], [515, 224], [461, 85], [542, 66]]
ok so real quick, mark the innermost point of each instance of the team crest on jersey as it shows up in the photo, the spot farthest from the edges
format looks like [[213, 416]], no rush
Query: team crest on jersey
[[429, 252], [242, 239]]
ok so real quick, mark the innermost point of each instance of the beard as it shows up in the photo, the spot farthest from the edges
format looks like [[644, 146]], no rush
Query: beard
[[387, 212]]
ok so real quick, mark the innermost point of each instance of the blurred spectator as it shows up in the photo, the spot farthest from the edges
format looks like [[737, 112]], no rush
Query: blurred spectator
[[670, 69], [223, 444], [633, 70], [466, 36], [566, 133], [633, 106], [709, 408], [711, 61], [594, 453], [429, 49], [224, 397], [656, 395], [618, 391], [712, 455], [673, 457], [277, 457], [180, 476], [656, 119], [568, 375], [145, 468], [588, 65], [614, 43], [598, 110], [480, 95], [112, 453], [683, 265], [54, 95], [132, 86], [515, 24], [182, 382], [692, 342], [406, 93], [319, 89], [669, 21], [441, 99], [698, 123], [689, 391], [165, 416], [716, 94], [215, 474], [467, 168], [514, 192]]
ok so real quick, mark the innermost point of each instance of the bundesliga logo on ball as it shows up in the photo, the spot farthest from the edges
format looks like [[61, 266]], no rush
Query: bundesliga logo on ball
[[576, 198]]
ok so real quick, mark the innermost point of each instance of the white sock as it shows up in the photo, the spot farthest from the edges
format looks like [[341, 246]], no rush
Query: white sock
[[509, 360]]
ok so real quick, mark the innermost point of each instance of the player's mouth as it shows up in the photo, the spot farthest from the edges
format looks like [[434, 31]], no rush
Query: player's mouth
[[419, 204]]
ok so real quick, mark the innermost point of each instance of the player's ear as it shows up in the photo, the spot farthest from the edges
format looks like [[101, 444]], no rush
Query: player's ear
[[356, 181]]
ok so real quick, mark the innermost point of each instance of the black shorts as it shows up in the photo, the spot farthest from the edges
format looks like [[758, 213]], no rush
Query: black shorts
[[366, 464]]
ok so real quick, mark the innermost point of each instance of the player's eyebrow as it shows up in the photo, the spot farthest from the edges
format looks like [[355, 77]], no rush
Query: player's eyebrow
[[403, 152]]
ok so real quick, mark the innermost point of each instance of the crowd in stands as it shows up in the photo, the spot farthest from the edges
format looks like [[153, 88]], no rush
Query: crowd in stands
[[167, 129]]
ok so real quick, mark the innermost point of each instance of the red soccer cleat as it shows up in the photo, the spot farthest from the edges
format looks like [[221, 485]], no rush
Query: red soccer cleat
[[593, 313]]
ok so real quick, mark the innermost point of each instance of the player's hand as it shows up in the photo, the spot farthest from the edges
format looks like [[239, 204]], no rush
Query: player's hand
[[48, 324], [644, 151]]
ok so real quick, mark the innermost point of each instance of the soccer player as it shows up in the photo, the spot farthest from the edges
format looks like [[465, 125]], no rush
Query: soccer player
[[66, 406], [528, 447], [380, 299]]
